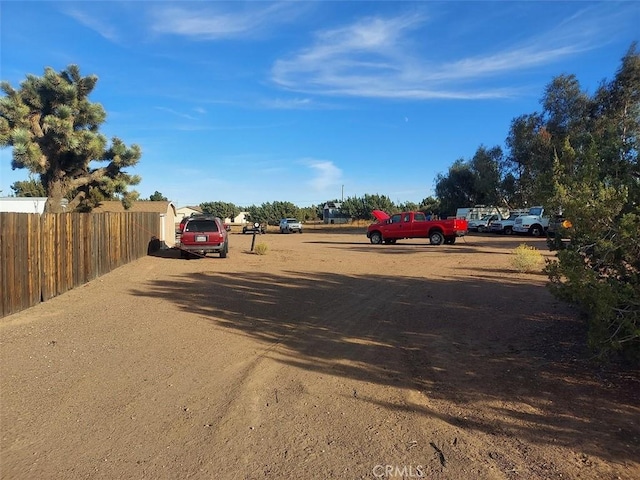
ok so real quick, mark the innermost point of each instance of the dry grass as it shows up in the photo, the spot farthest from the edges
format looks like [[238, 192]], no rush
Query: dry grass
[[525, 259], [260, 248]]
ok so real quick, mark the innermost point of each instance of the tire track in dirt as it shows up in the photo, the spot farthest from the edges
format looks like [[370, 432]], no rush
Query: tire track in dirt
[[358, 353], [275, 389]]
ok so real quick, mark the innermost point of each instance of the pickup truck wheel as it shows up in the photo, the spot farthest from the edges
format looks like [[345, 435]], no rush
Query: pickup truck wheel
[[480, 229], [436, 238], [450, 241], [536, 230], [508, 230], [376, 238]]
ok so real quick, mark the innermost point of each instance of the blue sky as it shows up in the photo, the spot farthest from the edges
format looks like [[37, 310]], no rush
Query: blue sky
[[252, 102]]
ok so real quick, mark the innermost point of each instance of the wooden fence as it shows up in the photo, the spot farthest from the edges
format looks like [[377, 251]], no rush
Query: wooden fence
[[42, 256]]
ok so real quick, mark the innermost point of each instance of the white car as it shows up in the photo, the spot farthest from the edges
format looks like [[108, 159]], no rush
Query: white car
[[503, 226], [289, 225], [483, 224]]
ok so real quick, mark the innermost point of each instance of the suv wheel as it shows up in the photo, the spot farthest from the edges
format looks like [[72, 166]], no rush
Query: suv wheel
[[225, 250]]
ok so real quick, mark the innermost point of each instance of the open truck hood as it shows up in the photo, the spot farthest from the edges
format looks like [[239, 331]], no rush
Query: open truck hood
[[380, 215]]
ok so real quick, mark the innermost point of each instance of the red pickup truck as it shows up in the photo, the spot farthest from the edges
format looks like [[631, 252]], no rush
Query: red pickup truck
[[389, 229]]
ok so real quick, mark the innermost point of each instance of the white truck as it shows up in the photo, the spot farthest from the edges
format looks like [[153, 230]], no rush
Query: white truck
[[535, 223], [506, 224]]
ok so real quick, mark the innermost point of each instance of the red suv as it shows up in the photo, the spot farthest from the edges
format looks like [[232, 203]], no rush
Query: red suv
[[202, 234]]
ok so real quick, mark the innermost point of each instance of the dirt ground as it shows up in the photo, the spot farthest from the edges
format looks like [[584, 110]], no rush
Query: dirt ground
[[325, 358]]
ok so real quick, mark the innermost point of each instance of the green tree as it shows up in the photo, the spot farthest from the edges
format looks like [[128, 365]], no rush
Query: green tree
[[508, 190], [473, 182], [157, 197], [360, 208], [255, 213], [308, 214], [271, 213], [485, 166], [28, 188], [564, 106], [597, 185], [53, 130], [536, 142], [456, 189], [220, 209], [408, 207], [431, 205], [529, 159]]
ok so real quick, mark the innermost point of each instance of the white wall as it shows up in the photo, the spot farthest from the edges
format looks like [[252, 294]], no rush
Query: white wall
[[23, 204]]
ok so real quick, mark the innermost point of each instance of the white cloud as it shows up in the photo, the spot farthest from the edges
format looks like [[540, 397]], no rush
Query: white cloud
[[217, 20], [325, 174], [93, 22], [288, 104], [178, 114], [379, 57]]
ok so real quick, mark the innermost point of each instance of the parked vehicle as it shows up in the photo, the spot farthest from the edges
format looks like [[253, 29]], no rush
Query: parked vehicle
[[202, 234], [483, 224], [478, 211], [290, 225], [558, 225], [227, 227], [534, 223], [506, 224], [503, 226], [390, 228], [254, 228]]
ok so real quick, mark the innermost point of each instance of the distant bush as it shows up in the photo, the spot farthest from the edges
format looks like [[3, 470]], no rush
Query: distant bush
[[260, 248], [526, 259]]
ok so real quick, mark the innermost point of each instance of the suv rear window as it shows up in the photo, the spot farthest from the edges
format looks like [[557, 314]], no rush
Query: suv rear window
[[201, 226]]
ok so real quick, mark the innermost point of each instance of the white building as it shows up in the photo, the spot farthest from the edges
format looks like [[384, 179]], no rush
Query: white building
[[166, 210], [23, 204]]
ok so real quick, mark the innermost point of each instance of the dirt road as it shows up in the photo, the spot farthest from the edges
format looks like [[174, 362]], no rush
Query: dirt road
[[326, 358]]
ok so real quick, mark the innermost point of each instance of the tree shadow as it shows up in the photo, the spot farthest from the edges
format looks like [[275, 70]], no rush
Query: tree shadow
[[445, 339]]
